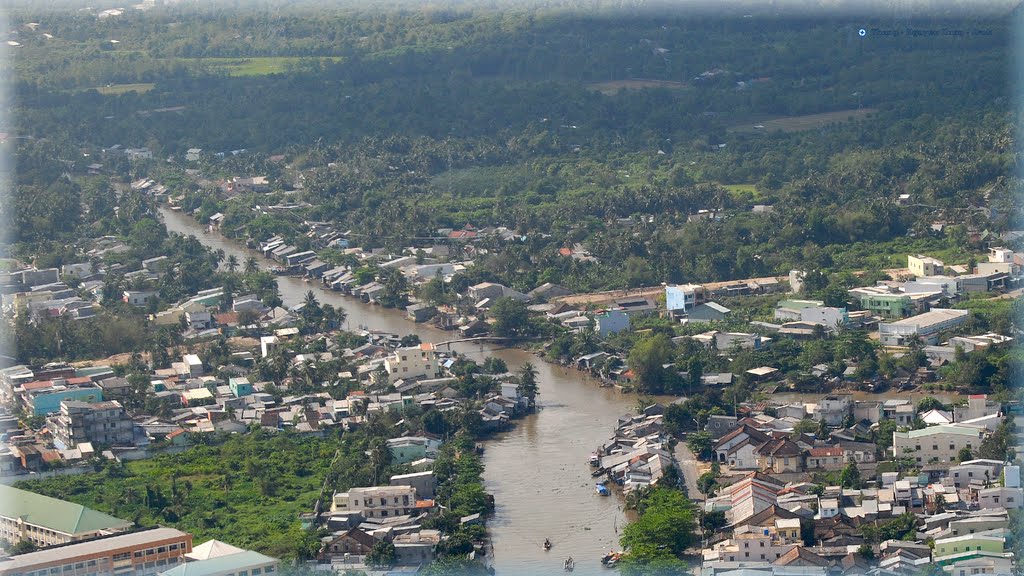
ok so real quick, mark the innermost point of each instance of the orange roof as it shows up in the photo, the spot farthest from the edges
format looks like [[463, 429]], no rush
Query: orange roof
[[565, 251], [37, 385], [51, 456], [826, 451], [79, 380], [424, 503], [427, 346], [176, 433]]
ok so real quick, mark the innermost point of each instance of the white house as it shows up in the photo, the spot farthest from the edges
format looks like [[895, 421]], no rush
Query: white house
[[413, 362]]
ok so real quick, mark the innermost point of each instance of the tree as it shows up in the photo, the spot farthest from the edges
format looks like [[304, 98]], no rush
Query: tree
[[382, 555], [850, 476], [250, 266], [528, 383], [510, 317], [231, 263], [23, 547], [866, 552], [964, 455], [806, 426], [666, 522], [647, 360], [700, 444], [929, 403], [707, 484]]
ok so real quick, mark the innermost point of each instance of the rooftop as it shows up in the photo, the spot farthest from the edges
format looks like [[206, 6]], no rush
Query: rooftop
[[59, 515], [220, 564], [99, 546]]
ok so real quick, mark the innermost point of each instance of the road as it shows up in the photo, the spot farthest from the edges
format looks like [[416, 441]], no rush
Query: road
[[690, 469]]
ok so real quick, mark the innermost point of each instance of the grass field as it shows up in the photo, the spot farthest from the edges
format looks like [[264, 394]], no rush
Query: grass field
[[122, 88], [258, 66], [612, 87], [800, 123]]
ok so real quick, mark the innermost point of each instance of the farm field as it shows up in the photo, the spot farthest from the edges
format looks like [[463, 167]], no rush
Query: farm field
[[801, 123]]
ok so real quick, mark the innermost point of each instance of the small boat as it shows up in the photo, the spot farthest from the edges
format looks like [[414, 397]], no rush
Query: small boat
[[595, 459], [596, 473], [547, 544], [610, 558], [602, 489], [569, 565]]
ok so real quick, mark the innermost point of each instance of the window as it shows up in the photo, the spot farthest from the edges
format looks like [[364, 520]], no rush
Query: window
[[383, 501], [161, 550], [79, 565], [935, 447], [243, 573], [173, 546], [762, 544], [952, 447], [746, 544], [269, 569], [383, 513], [257, 571]]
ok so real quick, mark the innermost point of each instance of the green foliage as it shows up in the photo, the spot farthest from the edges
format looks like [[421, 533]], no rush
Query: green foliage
[[248, 490], [647, 359], [700, 443], [510, 317], [850, 476], [666, 522]]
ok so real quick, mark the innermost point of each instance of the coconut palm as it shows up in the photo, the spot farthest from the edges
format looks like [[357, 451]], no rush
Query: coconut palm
[[250, 267], [231, 263]]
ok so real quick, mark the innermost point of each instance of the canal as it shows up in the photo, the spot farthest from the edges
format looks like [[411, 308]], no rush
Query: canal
[[538, 471]]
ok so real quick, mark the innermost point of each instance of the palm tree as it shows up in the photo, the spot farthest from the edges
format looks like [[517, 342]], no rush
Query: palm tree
[[251, 267], [232, 263], [528, 383], [310, 300]]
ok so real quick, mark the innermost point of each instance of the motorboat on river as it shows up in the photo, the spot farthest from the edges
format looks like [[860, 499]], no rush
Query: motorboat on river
[[569, 565]]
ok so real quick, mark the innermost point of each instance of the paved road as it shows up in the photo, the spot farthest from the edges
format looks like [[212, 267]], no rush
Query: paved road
[[690, 469]]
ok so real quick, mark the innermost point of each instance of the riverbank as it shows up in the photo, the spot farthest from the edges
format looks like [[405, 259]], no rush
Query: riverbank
[[537, 471]]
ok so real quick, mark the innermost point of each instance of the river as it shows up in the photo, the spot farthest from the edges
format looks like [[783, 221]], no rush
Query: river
[[538, 471]]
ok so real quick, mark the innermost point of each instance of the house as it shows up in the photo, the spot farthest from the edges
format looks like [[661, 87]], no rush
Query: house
[[425, 483], [376, 501], [548, 291], [193, 154], [610, 322], [825, 458], [413, 362], [139, 298], [45, 521], [978, 406], [726, 448], [708, 312], [719, 425], [924, 265], [353, 542], [680, 299], [925, 327], [833, 409], [420, 312], [637, 306], [780, 455], [411, 448]]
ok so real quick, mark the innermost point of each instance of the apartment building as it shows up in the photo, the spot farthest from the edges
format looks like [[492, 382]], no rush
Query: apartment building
[[102, 423], [143, 553], [936, 443], [46, 521]]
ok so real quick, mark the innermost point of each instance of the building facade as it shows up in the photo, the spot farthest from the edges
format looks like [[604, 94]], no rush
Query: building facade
[[102, 423], [144, 553]]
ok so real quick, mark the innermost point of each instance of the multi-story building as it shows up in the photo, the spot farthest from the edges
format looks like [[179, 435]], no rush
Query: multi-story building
[[45, 521], [376, 501], [44, 397], [833, 409], [680, 299], [924, 265], [103, 423], [936, 443], [143, 553], [413, 362]]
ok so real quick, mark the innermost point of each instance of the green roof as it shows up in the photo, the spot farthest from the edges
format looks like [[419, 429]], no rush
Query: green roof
[[54, 514], [221, 564]]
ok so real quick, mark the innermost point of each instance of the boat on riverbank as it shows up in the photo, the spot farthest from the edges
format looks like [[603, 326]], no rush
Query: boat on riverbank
[[602, 490]]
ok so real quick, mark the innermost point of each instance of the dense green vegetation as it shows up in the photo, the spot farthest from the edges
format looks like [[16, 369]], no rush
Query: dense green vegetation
[[248, 490], [437, 118], [664, 529]]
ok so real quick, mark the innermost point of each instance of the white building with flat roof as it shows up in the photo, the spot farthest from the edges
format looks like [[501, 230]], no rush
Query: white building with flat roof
[[936, 443], [925, 326]]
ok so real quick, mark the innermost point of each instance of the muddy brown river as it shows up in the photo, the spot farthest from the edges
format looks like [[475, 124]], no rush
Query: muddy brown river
[[538, 471]]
